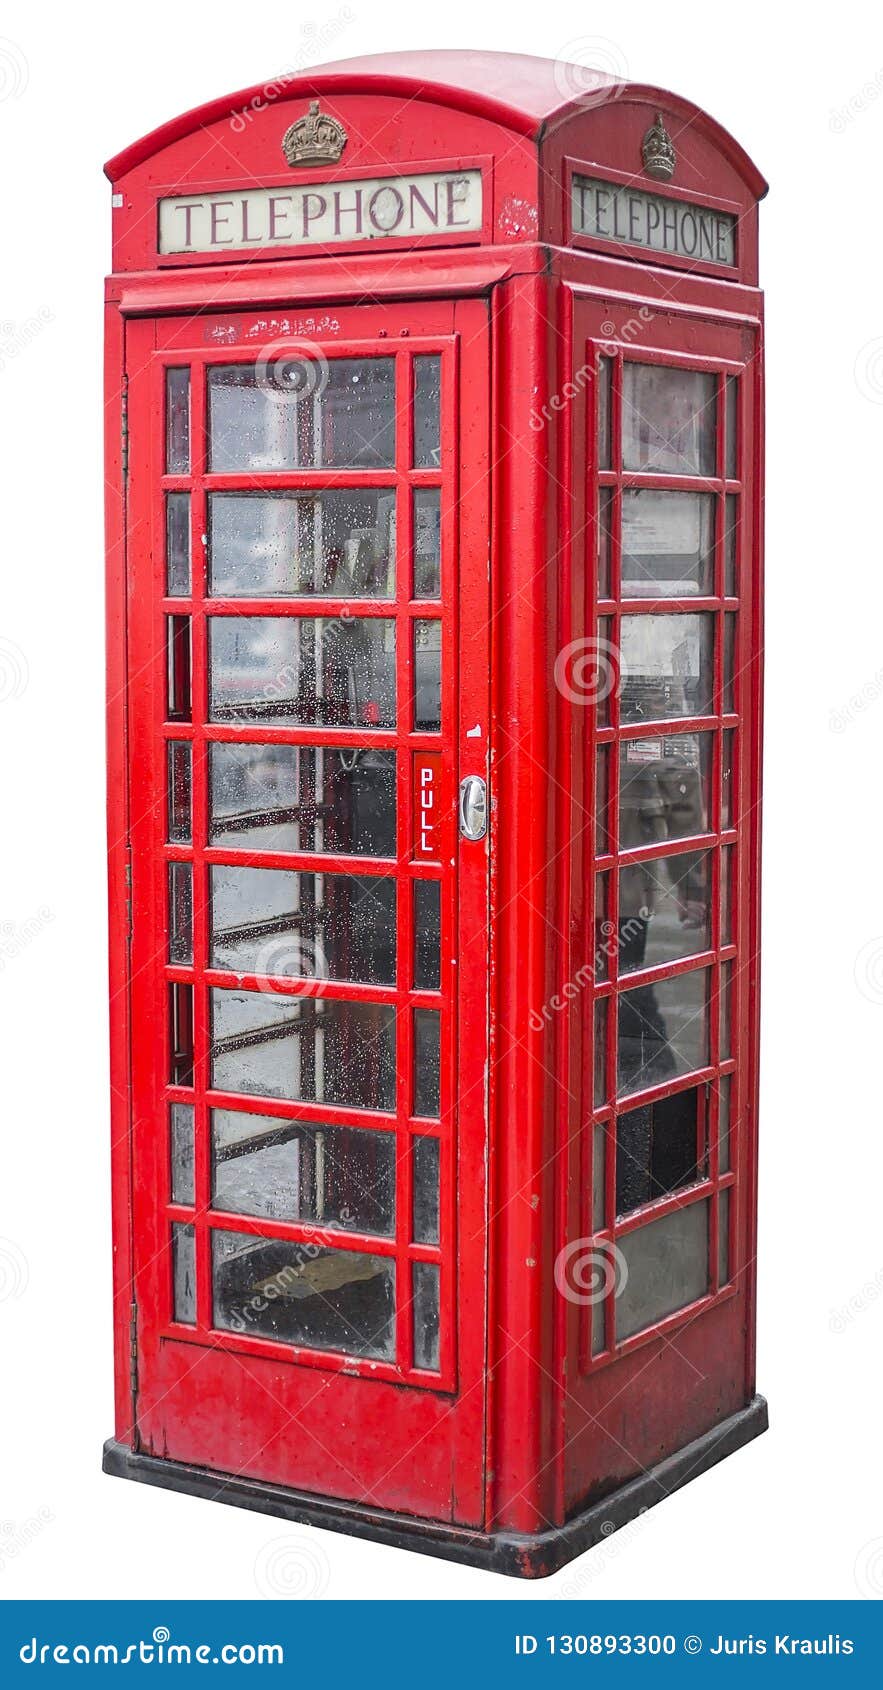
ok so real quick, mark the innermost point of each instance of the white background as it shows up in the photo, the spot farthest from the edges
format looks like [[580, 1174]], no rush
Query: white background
[[799, 1512]]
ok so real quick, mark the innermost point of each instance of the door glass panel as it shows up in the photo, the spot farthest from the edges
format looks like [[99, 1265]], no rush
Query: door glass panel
[[426, 1315], [184, 1274], [285, 670], [313, 1049], [602, 800], [427, 1061], [427, 412], [662, 1031], [178, 703], [604, 383], [296, 413], [667, 1268], [668, 419], [656, 1150], [599, 1169], [178, 545], [340, 544], [732, 427], [605, 530], [723, 1238], [425, 1152], [300, 1294], [666, 667], [731, 520], [600, 1053], [180, 790], [178, 421], [667, 544], [302, 1171], [664, 788], [180, 1034], [427, 676], [427, 935], [182, 1176], [303, 798], [728, 769], [180, 913], [664, 910], [427, 542], [723, 1126], [315, 926]]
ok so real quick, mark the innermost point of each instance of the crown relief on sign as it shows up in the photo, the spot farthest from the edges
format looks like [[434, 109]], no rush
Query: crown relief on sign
[[314, 138], [657, 151]]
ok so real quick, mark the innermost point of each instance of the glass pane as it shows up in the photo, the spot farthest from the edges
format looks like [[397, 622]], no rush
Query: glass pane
[[664, 910], [426, 1315], [178, 422], [296, 413], [664, 788], [726, 895], [303, 798], [731, 519], [180, 789], [178, 668], [300, 1049], [656, 1150], [729, 675], [732, 427], [180, 913], [180, 1034], [341, 544], [728, 771], [427, 935], [726, 1011], [184, 1274], [603, 935], [605, 530], [315, 926], [178, 545], [666, 666], [723, 1126], [667, 544], [427, 542], [663, 1031], [289, 670], [427, 676], [606, 677], [602, 800], [181, 1135], [600, 1053], [599, 1164], [301, 1171], [427, 412], [427, 1061], [668, 419], [425, 1152], [300, 1294], [667, 1268], [723, 1238], [604, 385], [599, 1326]]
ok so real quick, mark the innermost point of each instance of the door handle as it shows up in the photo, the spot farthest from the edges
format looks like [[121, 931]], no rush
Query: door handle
[[473, 807]]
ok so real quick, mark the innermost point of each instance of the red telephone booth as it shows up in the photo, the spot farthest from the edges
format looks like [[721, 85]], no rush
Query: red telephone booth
[[435, 514]]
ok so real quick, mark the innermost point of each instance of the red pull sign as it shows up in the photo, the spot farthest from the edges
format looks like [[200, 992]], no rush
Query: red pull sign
[[427, 806]]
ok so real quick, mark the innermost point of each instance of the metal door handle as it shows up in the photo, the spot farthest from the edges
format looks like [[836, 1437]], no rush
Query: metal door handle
[[473, 807]]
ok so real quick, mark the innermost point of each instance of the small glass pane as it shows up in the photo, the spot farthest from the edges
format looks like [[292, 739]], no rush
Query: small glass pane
[[298, 413], [180, 913], [731, 521], [666, 1268], [723, 1126], [426, 1315], [427, 676], [664, 788], [604, 384], [178, 545], [184, 1273], [427, 935], [602, 800], [728, 773], [302, 670], [336, 544], [425, 1153], [732, 427], [605, 530], [723, 1237], [729, 675], [603, 935], [663, 1031], [600, 1053], [726, 1011], [178, 705], [599, 1325], [299, 925], [427, 542], [178, 422], [606, 674], [180, 768], [664, 910], [303, 1171], [427, 1061], [303, 798], [181, 1135], [180, 1034], [666, 666], [302, 1294], [599, 1166], [427, 412], [656, 1150], [668, 419], [667, 544], [303, 1049], [726, 896]]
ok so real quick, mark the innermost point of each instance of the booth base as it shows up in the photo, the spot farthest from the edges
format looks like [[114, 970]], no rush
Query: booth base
[[511, 1553]]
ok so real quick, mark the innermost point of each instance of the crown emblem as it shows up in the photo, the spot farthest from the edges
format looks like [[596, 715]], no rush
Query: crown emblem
[[314, 138], [658, 151]]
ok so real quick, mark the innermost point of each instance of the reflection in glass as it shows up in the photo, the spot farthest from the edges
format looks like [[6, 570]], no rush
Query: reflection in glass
[[664, 788], [178, 545], [303, 798], [668, 419], [296, 413], [667, 544], [181, 1158], [666, 666], [427, 542], [322, 1299], [662, 1031], [180, 786], [427, 412], [178, 705], [337, 543], [178, 421], [286, 670], [427, 1061], [656, 1150], [427, 935], [184, 1274], [666, 1268], [664, 910], [313, 926], [313, 1049], [427, 676], [303, 1171], [426, 1315], [180, 1033], [180, 913], [425, 1152]]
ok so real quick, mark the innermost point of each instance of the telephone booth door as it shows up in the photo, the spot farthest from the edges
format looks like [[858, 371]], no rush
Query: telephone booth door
[[307, 533]]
